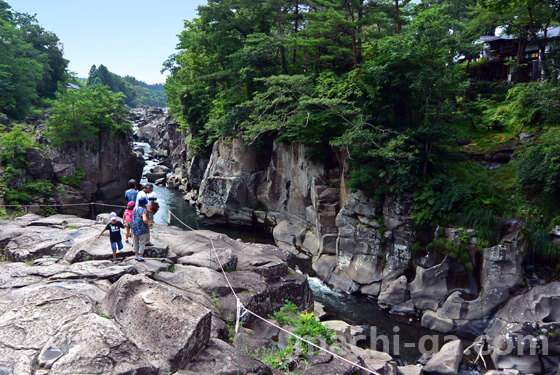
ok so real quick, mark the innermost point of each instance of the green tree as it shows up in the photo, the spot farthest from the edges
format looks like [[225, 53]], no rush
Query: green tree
[[48, 51], [19, 72], [80, 115], [13, 146], [31, 66]]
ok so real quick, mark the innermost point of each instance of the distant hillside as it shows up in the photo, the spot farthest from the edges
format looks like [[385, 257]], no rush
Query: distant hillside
[[136, 92]]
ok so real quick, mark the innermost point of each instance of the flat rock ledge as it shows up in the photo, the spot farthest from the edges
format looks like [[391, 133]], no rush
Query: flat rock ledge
[[66, 308]]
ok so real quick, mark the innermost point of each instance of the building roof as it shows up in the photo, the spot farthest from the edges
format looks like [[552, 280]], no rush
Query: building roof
[[553, 32], [72, 86]]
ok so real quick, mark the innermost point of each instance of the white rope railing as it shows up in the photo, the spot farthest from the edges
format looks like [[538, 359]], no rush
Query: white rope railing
[[240, 309]]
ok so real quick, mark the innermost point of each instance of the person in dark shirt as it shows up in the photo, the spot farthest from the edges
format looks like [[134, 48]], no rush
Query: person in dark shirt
[[114, 228]]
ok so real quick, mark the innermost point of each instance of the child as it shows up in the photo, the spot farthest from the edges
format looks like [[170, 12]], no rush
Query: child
[[114, 228], [128, 220]]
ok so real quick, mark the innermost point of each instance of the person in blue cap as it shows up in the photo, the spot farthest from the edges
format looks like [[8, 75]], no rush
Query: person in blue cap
[[140, 224]]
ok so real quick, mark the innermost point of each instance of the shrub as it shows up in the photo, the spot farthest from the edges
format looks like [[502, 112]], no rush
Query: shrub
[[13, 145], [539, 166], [75, 179]]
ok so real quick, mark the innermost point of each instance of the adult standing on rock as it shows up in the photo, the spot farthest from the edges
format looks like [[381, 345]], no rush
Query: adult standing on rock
[[147, 192], [140, 225], [132, 193]]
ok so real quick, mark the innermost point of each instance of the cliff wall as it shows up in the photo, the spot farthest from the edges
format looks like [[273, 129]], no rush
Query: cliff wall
[[352, 242]]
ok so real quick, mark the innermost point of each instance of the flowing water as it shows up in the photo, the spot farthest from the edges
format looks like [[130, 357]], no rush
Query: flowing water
[[173, 200], [402, 337]]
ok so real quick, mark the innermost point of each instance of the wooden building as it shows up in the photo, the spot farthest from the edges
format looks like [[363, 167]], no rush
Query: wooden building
[[498, 60]]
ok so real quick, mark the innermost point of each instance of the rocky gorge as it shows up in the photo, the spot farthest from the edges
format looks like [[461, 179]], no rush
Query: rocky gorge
[[360, 245], [66, 308]]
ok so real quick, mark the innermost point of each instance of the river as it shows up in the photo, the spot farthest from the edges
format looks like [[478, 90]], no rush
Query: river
[[401, 333]]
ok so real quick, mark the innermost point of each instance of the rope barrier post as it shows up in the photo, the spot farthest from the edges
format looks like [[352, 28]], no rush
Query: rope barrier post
[[237, 316], [210, 254], [92, 211]]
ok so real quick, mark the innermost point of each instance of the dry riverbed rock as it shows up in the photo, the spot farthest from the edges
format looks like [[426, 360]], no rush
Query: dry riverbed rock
[[66, 308]]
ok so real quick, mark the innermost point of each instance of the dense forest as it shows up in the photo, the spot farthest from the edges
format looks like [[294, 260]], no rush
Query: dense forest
[[397, 88]]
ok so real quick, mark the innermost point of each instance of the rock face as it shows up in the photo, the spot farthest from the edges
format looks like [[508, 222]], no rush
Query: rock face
[[158, 317], [95, 170], [352, 242], [108, 165], [525, 334]]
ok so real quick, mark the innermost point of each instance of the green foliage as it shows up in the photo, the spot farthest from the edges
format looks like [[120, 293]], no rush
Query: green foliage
[[48, 211], [294, 111], [32, 65], [43, 188], [306, 326], [276, 357], [217, 302], [74, 179], [286, 314], [486, 224], [62, 191], [26, 194], [539, 167], [438, 198], [540, 244], [458, 248], [529, 106], [81, 115], [3, 213], [13, 146]]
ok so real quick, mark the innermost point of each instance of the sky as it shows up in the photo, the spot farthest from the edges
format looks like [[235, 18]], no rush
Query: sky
[[129, 37]]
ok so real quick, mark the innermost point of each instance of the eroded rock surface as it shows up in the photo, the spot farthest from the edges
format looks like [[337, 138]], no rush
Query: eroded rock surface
[[153, 317]]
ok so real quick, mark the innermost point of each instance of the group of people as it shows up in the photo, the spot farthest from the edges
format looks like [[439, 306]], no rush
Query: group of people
[[138, 218]]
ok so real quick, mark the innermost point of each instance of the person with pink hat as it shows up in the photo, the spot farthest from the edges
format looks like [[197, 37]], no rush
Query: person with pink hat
[[128, 213], [114, 228]]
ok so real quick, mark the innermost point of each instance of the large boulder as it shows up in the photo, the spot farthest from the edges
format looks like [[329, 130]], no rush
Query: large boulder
[[393, 292], [219, 358], [92, 344], [40, 167], [502, 270], [288, 181], [167, 328], [359, 253], [446, 361], [249, 287], [525, 333], [48, 236], [429, 286], [28, 323], [230, 181]]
